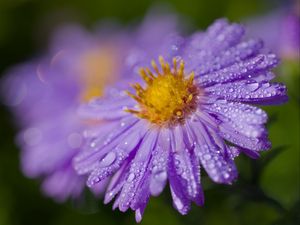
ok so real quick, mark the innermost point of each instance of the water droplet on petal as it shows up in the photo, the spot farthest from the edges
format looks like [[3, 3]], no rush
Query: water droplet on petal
[[259, 111], [108, 159], [207, 157], [252, 86], [226, 175], [131, 177], [161, 176]]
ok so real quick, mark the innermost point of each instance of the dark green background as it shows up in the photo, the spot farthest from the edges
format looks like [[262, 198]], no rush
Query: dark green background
[[268, 189]]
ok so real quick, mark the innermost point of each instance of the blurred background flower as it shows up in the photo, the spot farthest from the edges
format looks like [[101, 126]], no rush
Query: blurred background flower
[[268, 189], [280, 30], [44, 95]]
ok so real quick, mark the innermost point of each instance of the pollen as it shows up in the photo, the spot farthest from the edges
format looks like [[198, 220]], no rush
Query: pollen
[[168, 96]]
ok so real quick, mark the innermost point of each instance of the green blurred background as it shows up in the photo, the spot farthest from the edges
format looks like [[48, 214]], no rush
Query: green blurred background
[[268, 189]]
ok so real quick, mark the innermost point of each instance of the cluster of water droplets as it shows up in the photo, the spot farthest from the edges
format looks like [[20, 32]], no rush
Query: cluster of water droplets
[[248, 91], [219, 168], [241, 124], [158, 170], [107, 166], [247, 120], [211, 63], [242, 112], [185, 168], [113, 159], [239, 70], [107, 152], [236, 137], [134, 177]]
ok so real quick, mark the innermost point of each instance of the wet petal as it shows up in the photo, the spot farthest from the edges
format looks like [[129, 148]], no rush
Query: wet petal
[[214, 62], [137, 173], [101, 109], [112, 158], [187, 169], [116, 183], [240, 70], [180, 198], [97, 148], [214, 158], [234, 136], [250, 91], [238, 111], [158, 167], [219, 36]]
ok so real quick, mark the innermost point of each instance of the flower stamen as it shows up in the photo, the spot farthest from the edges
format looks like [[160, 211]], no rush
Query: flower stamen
[[168, 98]]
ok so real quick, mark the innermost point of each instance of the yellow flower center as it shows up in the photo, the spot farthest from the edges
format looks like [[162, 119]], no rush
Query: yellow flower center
[[168, 97], [98, 68]]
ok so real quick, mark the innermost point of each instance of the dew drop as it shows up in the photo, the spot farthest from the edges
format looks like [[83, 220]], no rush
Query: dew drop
[[258, 111], [108, 159], [226, 175], [131, 177], [207, 157], [266, 84], [161, 176], [252, 86], [93, 143]]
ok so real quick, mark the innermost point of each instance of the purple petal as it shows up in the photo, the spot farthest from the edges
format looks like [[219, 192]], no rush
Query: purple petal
[[236, 121], [187, 170], [252, 154], [238, 111], [236, 133], [117, 182], [113, 157], [180, 199], [250, 91], [211, 63], [137, 173], [139, 214], [101, 109], [217, 38], [214, 158], [158, 167], [241, 70], [97, 148], [234, 136]]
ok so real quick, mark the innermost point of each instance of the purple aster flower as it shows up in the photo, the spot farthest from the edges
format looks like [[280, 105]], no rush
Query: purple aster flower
[[280, 30], [44, 96], [193, 109]]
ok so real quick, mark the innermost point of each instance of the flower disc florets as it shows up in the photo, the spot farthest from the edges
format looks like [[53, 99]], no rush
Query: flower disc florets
[[169, 96]]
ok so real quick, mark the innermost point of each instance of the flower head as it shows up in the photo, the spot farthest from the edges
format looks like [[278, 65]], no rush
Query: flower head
[[168, 97], [191, 111]]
